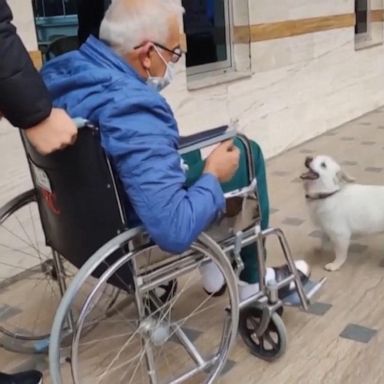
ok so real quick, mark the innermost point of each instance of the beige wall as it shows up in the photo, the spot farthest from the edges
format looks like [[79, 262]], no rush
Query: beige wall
[[14, 169], [300, 86], [263, 11], [23, 19]]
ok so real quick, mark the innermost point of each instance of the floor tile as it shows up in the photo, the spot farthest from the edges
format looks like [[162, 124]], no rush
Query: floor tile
[[319, 309], [374, 169], [317, 234], [294, 221], [357, 248], [6, 311], [358, 333]]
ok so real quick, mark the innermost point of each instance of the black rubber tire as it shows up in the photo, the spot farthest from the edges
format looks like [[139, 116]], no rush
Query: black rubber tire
[[272, 344]]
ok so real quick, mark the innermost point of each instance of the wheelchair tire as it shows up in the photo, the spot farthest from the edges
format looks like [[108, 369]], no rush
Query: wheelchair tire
[[28, 279], [32, 278], [272, 344]]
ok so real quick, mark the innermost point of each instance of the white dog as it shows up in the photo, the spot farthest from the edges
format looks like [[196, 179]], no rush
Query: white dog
[[339, 207]]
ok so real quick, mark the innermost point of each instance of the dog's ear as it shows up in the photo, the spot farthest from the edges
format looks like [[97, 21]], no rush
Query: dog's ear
[[343, 177]]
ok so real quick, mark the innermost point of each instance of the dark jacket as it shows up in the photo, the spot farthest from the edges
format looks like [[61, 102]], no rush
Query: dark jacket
[[24, 99], [90, 14]]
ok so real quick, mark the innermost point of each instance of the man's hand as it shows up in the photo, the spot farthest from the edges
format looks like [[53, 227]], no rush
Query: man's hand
[[223, 162], [54, 133]]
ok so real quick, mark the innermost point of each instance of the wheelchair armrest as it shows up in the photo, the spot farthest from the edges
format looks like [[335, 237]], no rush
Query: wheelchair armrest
[[206, 139], [187, 143]]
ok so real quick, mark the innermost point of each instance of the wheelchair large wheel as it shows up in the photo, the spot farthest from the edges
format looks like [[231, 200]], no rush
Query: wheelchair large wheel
[[269, 346], [32, 277], [29, 289], [183, 339]]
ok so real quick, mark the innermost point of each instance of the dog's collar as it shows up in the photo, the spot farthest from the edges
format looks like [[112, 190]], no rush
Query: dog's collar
[[321, 195]]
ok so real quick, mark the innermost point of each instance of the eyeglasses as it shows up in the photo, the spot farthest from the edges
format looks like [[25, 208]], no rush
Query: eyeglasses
[[177, 52]]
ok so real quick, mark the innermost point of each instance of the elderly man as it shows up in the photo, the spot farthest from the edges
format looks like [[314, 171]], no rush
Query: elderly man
[[114, 82]]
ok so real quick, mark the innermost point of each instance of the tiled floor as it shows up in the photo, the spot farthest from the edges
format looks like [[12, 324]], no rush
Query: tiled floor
[[341, 339]]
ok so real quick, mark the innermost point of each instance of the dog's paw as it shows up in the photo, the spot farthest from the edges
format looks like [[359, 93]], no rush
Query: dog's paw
[[332, 267]]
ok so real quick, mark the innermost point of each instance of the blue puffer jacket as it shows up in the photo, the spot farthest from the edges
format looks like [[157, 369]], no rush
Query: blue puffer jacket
[[140, 134]]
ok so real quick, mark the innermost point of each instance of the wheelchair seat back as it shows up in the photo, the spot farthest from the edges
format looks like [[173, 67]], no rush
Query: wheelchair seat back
[[77, 196]]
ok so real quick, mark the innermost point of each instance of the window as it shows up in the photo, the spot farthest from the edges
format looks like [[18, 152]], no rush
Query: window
[[361, 11], [54, 19], [363, 38], [47, 8], [208, 33]]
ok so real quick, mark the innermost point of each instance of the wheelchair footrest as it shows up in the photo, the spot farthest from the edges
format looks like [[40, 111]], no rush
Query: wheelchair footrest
[[311, 289]]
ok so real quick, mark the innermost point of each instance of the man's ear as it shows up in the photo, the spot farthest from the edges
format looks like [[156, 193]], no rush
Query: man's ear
[[145, 55], [343, 177]]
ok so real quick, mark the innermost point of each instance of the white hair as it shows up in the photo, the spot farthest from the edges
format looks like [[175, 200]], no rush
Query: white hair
[[128, 23]]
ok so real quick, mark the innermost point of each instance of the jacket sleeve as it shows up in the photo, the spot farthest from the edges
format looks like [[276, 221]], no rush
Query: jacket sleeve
[[24, 99], [142, 146]]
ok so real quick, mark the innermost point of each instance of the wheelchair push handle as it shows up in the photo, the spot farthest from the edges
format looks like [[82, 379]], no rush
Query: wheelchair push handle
[[80, 122]]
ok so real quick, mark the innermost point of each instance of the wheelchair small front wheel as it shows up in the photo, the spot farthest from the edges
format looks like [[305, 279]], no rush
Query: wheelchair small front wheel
[[272, 344]]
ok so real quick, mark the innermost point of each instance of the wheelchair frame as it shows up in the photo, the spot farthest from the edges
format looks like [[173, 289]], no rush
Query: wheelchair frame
[[265, 302]]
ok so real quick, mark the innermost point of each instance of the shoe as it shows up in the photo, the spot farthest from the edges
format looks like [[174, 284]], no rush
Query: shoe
[[218, 293], [27, 377], [280, 273], [166, 292], [283, 272]]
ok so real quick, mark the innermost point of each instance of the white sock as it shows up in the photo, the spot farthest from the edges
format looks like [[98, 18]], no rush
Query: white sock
[[270, 275], [213, 279], [247, 290], [303, 267]]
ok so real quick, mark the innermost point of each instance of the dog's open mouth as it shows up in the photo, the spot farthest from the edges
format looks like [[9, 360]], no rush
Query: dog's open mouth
[[310, 174]]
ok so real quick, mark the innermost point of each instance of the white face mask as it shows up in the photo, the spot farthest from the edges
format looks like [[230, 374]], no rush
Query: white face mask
[[159, 83]]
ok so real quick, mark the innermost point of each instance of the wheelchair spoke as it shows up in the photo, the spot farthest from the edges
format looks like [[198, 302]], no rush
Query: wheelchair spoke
[[121, 350], [126, 363], [18, 268], [28, 280], [20, 251], [24, 242], [268, 338], [34, 246], [165, 343], [101, 339], [34, 230], [205, 309], [142, 355], [39, 312]]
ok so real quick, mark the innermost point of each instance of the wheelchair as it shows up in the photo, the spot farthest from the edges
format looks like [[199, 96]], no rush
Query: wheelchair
[[113, 307]]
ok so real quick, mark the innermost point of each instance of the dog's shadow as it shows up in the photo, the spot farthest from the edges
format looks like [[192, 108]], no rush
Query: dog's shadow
[[318, 257], [358, 254]]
